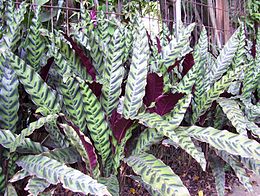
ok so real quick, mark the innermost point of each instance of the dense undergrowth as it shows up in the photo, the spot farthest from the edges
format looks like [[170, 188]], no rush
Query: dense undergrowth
[[69, 104]]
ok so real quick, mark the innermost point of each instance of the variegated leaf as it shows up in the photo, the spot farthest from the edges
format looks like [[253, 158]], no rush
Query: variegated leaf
[[225, 57], [224, 140], [218, 171], [36, 185], [9, 97], [251, 164], [113, 74], [238, 169], [10, 191], [31, 128], [146, 139], [96, 123], [55, 172], [111, 183], [136, 81], [155, 173], [40, 93]]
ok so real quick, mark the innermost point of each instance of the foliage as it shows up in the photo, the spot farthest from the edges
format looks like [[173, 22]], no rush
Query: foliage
[[71, 105]]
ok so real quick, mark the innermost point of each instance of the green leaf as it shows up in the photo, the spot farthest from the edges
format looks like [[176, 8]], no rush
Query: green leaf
[[164, 127], [113, 74], [55, 172], [19, 175], [185, 142], [145, 185], [238, 169], [79, 141], [213, 93], [2, 180], [234, 114], [35, 46], [111, 183], [225, 57], [224, 140], [40, 93], [36, 185], [155, 173], [197, 70], [31, 128], [9, 97], [218, 171], [146, 139], [10, 191], [96, 123], [251, 164], [73, 101], [41, 2], [136, 81]]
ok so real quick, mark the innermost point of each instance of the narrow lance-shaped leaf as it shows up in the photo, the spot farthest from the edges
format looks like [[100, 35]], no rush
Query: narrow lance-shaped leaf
[[35, 46], [10, 191], [197, 70], [96, 123], [40, 93], [84, 146], [218, 171], [238, 169], [136, 81], [224, 140], [155, 173], [73, 101], [113, 74], [213, 93], [111, 183], [55, 172], [186, 143], [67, 155], [251, 164], [225, 57], [9, 97], [157, 122]]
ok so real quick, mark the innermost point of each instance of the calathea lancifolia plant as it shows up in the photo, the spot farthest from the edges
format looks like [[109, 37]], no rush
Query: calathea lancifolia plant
[[69, 104]]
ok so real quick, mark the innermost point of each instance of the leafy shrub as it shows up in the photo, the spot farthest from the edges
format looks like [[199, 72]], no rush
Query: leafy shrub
[[79, 99]]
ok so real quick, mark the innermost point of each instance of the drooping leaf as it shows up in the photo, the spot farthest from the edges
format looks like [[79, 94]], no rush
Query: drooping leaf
[[238, 169], [64, 155], [136, 81], [146, 139], [36, 185], [145, 185], [111, 183], [55, 172], [31, 128], [218, 171], [155, 173], [224, 140], [153, 89], [2, 180]]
